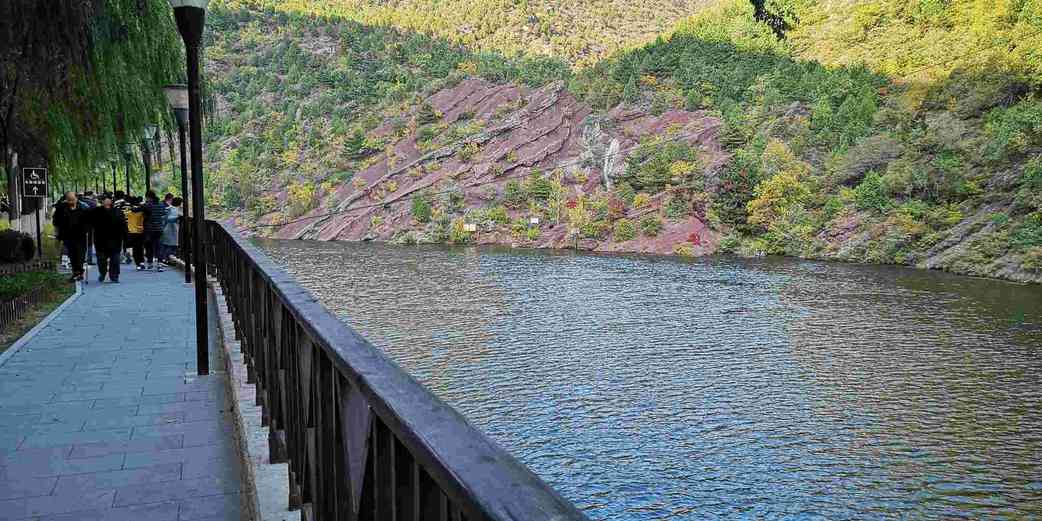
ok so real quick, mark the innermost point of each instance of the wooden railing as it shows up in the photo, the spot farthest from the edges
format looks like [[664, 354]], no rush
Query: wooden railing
[[363, 439]]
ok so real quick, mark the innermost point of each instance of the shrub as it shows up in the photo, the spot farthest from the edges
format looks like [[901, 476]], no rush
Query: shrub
[[426, 134], [650, 225], [459, 234], [16, 246], [641, 200], [453, 201], [624, 230], [871, 194], [498, 215], [12, 286], [468, 151], [532, 234], [515, 195], [421, 208], [773, 197], [1032, 177], [1012, 130], [539, 187], [595, 229], [625, 191], [684, 249], [301, 198], [427, 114], [655, 164], [1032, 260], [677, 207], [1029, 233]]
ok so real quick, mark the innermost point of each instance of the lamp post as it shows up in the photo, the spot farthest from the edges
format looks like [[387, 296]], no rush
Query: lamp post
[[113, 160], [177, 97], [191, 18], [128, 149], [146, 154]]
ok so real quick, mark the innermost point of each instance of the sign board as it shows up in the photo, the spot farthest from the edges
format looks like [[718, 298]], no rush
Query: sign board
[[470, 227], [534, 220], [34, 182]]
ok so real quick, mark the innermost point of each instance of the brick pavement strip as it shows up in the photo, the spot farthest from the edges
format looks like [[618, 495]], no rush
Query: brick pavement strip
[[102, 416]]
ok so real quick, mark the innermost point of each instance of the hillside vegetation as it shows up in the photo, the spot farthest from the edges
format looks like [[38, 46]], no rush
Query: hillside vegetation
[[885, 131]]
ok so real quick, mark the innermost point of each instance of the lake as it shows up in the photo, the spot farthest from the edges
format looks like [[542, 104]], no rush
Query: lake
[[647, 388]]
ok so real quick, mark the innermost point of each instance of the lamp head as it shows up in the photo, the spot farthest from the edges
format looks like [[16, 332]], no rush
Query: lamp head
[[198, 4], [177, 97]]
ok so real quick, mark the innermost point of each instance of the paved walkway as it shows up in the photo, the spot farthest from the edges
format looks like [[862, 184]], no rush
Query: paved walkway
[[102, 416]]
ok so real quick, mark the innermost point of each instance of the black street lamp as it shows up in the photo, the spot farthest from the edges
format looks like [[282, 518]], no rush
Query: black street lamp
[[177, 97], [146, 154], [113, 160], [191, 19], [128, 150]]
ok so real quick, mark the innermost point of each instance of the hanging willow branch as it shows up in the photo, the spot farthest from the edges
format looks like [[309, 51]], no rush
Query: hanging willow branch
[[80, 77]]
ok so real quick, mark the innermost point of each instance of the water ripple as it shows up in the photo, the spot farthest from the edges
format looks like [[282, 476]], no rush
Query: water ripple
[[652, 388]]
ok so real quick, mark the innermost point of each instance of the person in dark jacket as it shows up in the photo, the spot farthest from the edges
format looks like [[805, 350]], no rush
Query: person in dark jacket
[[72, 222], [88, 199], [155, 221], [110, 230]]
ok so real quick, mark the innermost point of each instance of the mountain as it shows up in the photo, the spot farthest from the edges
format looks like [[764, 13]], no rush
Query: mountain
[[884, 131]]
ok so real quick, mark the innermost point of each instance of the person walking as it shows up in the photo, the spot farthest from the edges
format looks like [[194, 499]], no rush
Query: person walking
[[91, 203], [110, 230], [170, 231], [155, 221], [136, 231], [72, 223]]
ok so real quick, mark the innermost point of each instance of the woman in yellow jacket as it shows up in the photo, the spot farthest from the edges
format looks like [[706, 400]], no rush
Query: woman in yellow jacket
[[136, 231]]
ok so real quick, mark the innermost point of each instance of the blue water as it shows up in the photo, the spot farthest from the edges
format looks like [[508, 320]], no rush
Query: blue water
[[658, 388]]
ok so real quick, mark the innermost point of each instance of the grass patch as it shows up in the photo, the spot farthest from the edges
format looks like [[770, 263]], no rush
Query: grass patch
[[56, 289]]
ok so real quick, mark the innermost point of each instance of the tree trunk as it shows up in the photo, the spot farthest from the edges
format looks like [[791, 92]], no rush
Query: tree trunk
[[13, 197]]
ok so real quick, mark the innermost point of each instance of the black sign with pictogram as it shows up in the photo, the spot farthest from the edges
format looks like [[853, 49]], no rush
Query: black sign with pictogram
[[34, 182]]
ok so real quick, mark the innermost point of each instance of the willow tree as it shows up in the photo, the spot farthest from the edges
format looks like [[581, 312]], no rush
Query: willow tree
[[78, 78]]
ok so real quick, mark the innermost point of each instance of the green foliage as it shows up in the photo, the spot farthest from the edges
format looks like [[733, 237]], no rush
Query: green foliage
[[595, 229], [1029, 233], [532, 234], [659, 162], [301, 199], [427, 115], [871, 195], [1013, 130], [458, 234], [515, 195], [89, 77], [624, 230], [421, 208], [1032, 260], [16, 246], [650, 225], [18, 284], [677, 207], [626, 192]]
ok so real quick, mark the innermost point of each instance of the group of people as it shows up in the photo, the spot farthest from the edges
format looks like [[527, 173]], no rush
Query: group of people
[[114, 223]]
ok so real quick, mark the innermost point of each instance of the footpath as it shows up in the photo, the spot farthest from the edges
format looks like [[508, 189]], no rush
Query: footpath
[[102, 415]]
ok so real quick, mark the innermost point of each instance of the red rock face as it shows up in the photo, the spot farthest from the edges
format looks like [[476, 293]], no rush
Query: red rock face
[[521, 130]]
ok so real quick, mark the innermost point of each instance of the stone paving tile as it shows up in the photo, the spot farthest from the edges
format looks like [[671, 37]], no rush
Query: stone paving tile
[[147, 444], [26, 487], [153, 512], [96, 422], [187, 454], [56, 504], [224, 507], [118, 478], [175, 490]]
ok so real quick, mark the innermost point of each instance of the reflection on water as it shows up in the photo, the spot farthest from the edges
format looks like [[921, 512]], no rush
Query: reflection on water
[[657, 388]]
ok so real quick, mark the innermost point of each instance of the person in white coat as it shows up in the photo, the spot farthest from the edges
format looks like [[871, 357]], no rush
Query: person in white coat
[[169, 238]]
